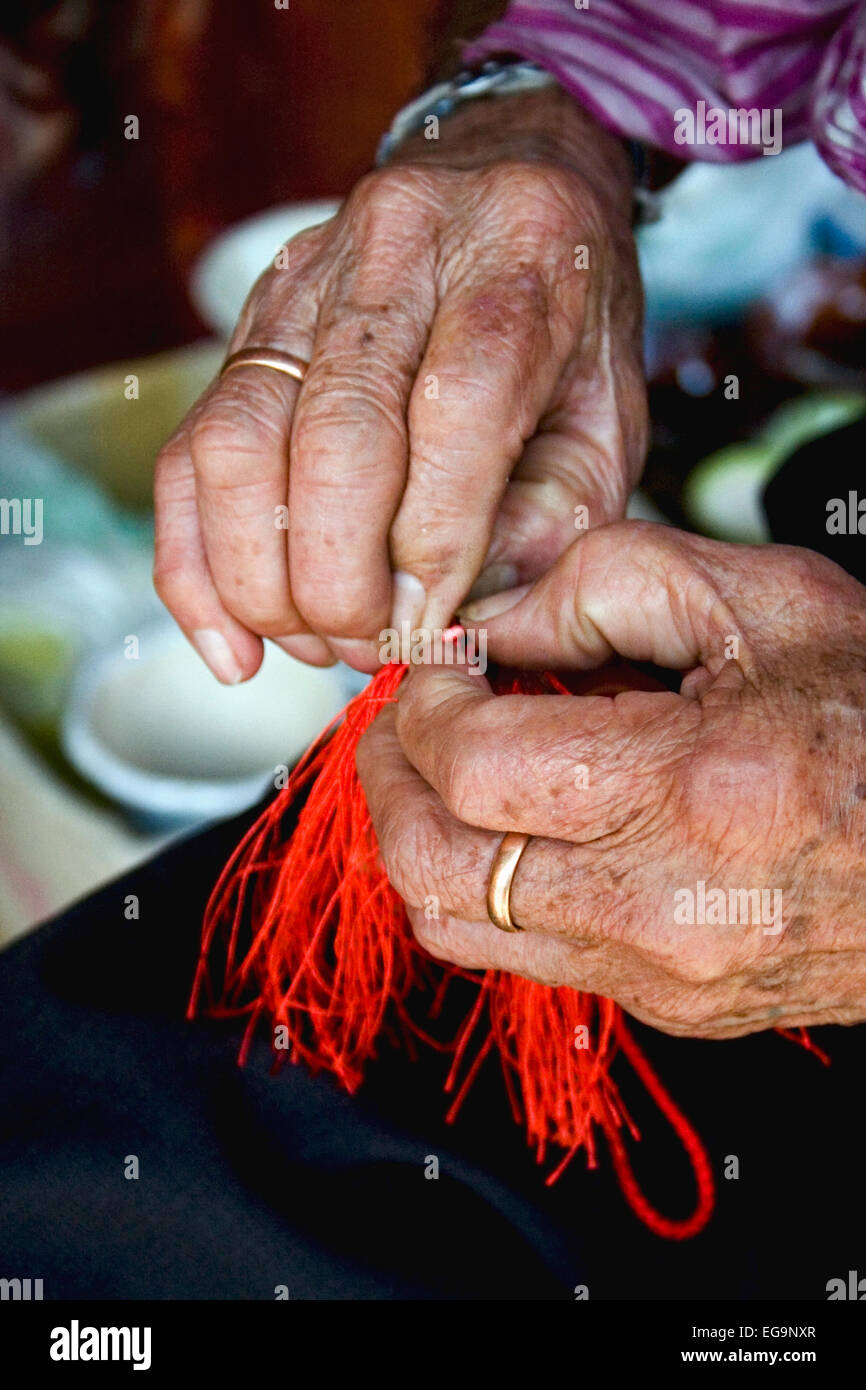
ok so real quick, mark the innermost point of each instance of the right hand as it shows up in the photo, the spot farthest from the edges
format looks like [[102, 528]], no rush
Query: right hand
[[698, 857], [468, 387]]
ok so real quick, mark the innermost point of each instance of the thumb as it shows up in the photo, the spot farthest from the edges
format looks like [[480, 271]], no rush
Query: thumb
[[634, 588]]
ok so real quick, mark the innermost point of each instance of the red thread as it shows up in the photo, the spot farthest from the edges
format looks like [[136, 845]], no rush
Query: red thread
[[311, 939]]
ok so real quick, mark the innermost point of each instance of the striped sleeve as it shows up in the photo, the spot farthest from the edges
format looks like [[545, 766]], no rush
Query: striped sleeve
[[720, 80]]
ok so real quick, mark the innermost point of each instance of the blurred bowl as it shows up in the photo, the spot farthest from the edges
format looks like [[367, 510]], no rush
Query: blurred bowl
[[88, 422], [160, 735]]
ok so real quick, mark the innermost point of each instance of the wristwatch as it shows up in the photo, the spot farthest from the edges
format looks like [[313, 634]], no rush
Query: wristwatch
[[497, 79], [490, 79]]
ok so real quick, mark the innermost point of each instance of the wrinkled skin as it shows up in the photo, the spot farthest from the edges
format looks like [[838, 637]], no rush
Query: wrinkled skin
[[754, 775], [453, 346], [468, 387]]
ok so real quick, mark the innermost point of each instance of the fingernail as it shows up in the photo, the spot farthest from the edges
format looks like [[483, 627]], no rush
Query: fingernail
[[492, 581], [213, 648], [408, 600], [306, 646], [493, 606]]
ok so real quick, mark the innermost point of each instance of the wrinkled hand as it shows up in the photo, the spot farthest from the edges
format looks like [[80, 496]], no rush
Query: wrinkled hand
[[453, 345], [752, 777]]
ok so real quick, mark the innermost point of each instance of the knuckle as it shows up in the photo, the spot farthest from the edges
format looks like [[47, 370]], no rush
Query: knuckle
[[401, 870], [342, 411], [467, 783], [385, 193], [176, 587], [266, 622], [679, 956], [541, 194], [333, 603], [301, 249], [461, 792], [211, 436], [284, 286], [685, 956], [677, 1011], [443, 942], [432, 555], [172, 453], [219, 439], [699, 967], [263, 609], [342, 622], [804, 569], [818, 578], [416, 856], [172, 476], [429, 934]]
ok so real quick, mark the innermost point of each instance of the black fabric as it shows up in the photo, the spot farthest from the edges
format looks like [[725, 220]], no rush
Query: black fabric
[[249, 1181]]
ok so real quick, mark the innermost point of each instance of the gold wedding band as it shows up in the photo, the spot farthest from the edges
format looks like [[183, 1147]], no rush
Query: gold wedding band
[[278, 361], [501, 878]]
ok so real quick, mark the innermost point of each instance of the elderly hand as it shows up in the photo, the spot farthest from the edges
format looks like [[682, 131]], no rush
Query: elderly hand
[[645, 805], [474, 376]]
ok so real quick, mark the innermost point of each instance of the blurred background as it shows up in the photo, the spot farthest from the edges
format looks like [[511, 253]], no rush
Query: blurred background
[[123, 264]]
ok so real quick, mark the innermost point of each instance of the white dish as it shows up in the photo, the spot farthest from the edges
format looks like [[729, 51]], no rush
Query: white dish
[[160, 735]]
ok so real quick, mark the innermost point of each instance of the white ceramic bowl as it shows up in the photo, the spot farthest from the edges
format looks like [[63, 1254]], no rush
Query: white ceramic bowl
[[160, 735]]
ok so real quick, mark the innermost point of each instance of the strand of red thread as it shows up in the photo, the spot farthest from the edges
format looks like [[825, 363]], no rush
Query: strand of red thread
[[691, 1142]]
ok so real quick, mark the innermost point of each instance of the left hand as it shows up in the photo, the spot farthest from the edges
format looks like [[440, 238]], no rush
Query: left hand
[[752, 777], [475, 391]]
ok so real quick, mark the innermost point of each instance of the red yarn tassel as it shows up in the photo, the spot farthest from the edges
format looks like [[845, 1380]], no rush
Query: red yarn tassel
[[312, 939], [331, 958]]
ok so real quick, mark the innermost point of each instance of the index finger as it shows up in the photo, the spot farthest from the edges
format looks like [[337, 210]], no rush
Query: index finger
[[571, 767]]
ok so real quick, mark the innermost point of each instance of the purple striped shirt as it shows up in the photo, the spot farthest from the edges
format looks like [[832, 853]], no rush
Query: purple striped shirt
[[705, 79]]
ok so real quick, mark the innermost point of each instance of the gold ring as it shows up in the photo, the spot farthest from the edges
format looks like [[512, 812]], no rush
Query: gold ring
[[501, 878], [279, 361]]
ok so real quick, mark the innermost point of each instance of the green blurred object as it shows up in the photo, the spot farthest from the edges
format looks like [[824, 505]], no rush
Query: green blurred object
[[99, 430], [34, 667], [722, 495]]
